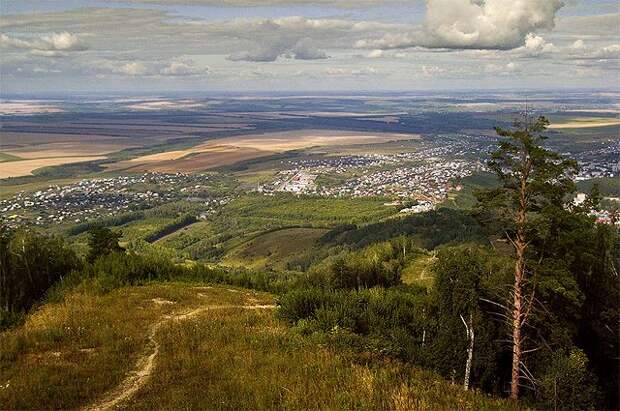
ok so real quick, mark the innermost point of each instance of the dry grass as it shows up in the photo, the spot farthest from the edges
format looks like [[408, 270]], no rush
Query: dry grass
[[419, 271], [248, 360], [67, 355], [79, 352]]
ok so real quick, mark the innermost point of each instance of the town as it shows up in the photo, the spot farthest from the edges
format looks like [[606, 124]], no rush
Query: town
[[101, 197]]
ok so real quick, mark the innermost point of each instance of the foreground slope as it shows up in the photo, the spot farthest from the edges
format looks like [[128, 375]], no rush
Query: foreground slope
[[180, 346]]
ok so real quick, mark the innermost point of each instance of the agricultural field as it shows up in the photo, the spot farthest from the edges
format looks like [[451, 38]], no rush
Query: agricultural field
[[586, 122], [231, 150], [18, 168], [66, 138]]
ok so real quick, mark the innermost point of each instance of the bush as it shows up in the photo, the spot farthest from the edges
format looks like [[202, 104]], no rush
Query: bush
[[393, 320], [568, 384], [380, 265], [303, 303], [176, 225], [113, 221], [29, 265]]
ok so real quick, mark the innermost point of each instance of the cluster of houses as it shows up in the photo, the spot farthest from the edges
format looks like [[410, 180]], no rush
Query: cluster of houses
[[427, 174], [95, 198], [300, 182], [421, 207], [339, 164], [432, 181], [602, 160]]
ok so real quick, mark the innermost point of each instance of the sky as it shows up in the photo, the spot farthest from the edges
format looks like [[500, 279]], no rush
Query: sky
[[70, 46]]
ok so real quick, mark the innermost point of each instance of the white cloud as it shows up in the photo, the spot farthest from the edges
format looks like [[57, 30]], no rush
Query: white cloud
[[64, 41], [535, 46], [51, 45], [474, 24], [290, 37], [459, 42], [340, 71], [131, 69], [432, 71], [375, 54], [607, 52], [182, 68], [306, 50], [254, 3], [502, 24], [578, 45], [174, 68], [582, 51], [501, 69]]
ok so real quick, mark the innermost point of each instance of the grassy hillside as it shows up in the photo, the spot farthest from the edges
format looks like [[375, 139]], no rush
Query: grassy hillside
[[183, 346], [608, 187], [275, 249]]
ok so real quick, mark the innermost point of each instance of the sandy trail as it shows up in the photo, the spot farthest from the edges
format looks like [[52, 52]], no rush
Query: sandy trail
[[143, 369]]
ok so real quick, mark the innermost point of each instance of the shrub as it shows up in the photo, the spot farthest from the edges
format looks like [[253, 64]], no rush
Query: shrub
[[393, 320], [29, 265], [303, 303], [568, 384]]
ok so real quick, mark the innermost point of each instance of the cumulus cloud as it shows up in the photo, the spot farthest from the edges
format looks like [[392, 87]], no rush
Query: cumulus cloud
[[535, 46], [51, 45], [182, 68], [288, 38], [578, 45], [432, 71], [501, 69], [607, 52], [467, 39], [347, 72], [474, 24], [254, 3], [305, 50], [174, 68], [581, 50], [131, 69], [376, 54]]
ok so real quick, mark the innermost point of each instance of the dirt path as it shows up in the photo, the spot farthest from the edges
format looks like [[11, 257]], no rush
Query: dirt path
[[143, 369]]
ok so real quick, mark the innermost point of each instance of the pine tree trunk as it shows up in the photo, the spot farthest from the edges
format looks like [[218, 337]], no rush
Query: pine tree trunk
[[516, 324], [520, 245]]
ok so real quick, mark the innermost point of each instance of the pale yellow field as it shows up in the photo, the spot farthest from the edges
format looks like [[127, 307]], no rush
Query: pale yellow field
[[188, 161], [586, 122], [26, 167], [230, 150], [67, 149], [284, 141]]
